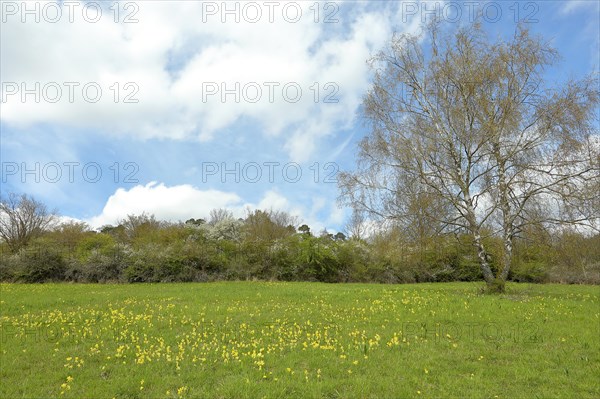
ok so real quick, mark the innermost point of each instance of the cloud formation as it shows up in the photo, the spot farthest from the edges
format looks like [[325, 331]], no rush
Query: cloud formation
[[188, 71], [181, 202]]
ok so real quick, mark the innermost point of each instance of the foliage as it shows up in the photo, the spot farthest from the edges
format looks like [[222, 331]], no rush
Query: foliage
[[39, 263], [467, 135], [265, 247]]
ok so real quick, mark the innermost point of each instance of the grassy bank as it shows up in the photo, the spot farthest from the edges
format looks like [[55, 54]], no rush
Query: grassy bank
[[244, 339]]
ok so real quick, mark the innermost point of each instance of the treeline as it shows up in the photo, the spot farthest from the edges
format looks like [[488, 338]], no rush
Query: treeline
[[268, 245]]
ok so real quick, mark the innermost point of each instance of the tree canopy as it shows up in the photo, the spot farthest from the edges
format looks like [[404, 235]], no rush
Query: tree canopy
[[468, 134]]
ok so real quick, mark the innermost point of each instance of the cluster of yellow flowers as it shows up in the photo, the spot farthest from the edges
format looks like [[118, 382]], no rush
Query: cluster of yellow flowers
[[65, 386], [141, 332], [166, 334]]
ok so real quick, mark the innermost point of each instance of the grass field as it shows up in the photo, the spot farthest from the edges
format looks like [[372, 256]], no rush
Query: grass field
[[285, 340]]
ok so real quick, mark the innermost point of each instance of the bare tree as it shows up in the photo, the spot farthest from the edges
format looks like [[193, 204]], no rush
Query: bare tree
[[269, 225], [219, 215], [23, 218], [136, 225], [355, 227], [469, 133]]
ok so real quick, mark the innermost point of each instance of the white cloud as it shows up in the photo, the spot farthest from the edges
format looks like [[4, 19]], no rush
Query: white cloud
[[576, 5], [319, 216], [337, 215], [170, 53], [179, 203], [275, 201], [166, 203]]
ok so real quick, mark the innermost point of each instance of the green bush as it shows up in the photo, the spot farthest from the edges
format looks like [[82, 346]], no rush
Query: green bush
[[266, 251], [467, 268], [7, 267], [102, 268], [529, 272], [38, 264], [103, 244]]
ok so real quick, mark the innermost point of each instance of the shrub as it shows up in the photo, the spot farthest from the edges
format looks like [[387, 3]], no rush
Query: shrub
[[7, 267], [38, 264], [529, 272], [101, 268]]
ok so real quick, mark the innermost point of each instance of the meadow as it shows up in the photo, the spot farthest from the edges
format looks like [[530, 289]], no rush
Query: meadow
[[297, 340]]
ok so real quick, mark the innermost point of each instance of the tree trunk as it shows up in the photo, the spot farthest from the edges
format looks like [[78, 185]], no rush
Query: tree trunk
[[507, 216], [482, 254], [507, 258], [483, 259]]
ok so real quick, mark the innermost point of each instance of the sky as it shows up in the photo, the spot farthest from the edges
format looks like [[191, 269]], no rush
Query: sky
[[174, 108]]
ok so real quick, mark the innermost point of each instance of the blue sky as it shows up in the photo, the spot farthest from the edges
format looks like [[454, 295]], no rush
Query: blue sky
[[181, 148]]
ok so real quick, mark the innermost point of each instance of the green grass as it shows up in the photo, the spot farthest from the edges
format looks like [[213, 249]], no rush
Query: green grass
[[286, 340]]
